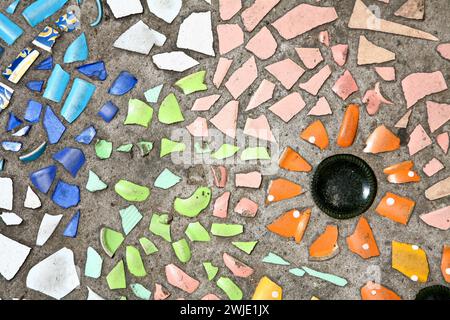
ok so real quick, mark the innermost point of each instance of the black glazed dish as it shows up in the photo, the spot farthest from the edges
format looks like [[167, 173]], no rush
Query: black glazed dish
[[344, 186], [436, 292]]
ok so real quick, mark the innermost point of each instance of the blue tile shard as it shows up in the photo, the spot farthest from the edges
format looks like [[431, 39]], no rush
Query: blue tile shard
[[68, 22], [33, 111], [66, 195], [53, 126], [46, 39], [108, 111], [72, 159], [95, 70], [40, 10], [13, 122], [87, 135], [124, 83], [35, 154], [77, 100], [43, 178], [78, 50], [35, 85], [71, 229], [46, 64]]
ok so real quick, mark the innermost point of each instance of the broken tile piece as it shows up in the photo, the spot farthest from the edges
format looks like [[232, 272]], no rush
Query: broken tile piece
[[166, 180], [174, 61], [135, 264], [195, 231], [66, 195], [140, 291], [182, 250], [211, 270], [72, 159], [349, 126], [78, 50], [130, 218], [444, 50], [321, 108], [374, 99], [336, 280], [253, 15], [116, 277], [412, 9], [246, 246], [432, 167], [402, 172], [340, 53], [443, 141], [178, 278], [272, 258], [87, 135], [282, 189], [242, 78], [255, 153], [12, 256], [410, 260], [220, 208], [382, 140], [166, 10], [324, 38], [71, 229], [267, 290], [315, 83], [198, 128], [230, 288], [263, 44], [192, 83], [169, 146], [195, 204], [386, 73], [375, 291], [226, 119], [205, 103], [94, 262], [139, 38], [396, 208], [325, 246], [95, 70], [263, 94], [103, 149], [445, 263], [46, 39], [291, 224], [226, 230], [362, 241], [32, 200], [222, 68], [418, 140], [439, 218], [259, 128], [404, 120], [310, 57], [110, 240], [148, 246], [17, 69], [438, 114], [238, 268], [159, 225], [139, 113], [196, 34], [121, 9], [124, 83], [131, 191], [316, 134], [292, 161], [419, 85], [230, 37], [286, 71], [439, 190], [345, 86], [288, 107], [370, 53], [7, 194], [10, 219], [225, 151], [246, 208], [152, 95], [228, 8]]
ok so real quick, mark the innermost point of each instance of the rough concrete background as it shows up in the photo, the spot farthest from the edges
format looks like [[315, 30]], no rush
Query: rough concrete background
[[102, 209]]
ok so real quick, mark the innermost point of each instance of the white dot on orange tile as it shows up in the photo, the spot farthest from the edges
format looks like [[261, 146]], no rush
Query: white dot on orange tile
[[447, 271], [373, 292], [274, 294], [414, 278], [365, 246], [312, 139], [296, 214], [270, 198], [411, 174], [414, 247], [390, 201]]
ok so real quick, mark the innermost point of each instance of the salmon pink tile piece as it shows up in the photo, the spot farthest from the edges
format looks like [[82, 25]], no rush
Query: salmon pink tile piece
[[345, 86], [321, 108], [419, 85], [246, 208], [286, 71], [259, 128], [340, 53], [248, 180], [439, 218], [230, 37], [438, 114], [205, 103], [418, 140], [310, 57], [263, 44], [324, 38], [316, 82], [443, 141], [220, 208], [444, 50], [242, 78], [288, 107], [180, 279], [225, 120], [222, 68], [404, 120], [433, 167], [386, 73], [374, 99], [263, 94], [198, 128], [228, 8], [237, 268], [253, 15]]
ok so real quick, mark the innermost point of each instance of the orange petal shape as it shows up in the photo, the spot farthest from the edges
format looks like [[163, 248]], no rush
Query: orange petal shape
[[291, 224], [267, 290], [410, 260], [316, 134], [282, 189], [382, 140], [396, 208], [349, 126], [375, 291], [325, 246], [292, 161], [445, 263], [401, 173], [362, 241]]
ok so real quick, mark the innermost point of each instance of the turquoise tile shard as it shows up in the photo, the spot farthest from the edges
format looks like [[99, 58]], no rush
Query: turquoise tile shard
[[131, 191], [34, 154], [272, 258], [9, 31], [195, 204], [124, 83], [297, 272], [166, 180], [94, 263], [72, 159], [77, 100], [139, 113], [140, 291], [336, 280], [145, 147], [71, 229], [78, 50], [152, 95], [53, 126], [94, 183], [17, 69], [57, 84], [12, 7], [130, 218], [46, 39], [66, 195], [87, 135], [40, 10]]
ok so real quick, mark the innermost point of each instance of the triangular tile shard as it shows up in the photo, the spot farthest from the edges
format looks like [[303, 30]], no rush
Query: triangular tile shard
[[370, 53], [140, 38], [225, 120], [412, 9]]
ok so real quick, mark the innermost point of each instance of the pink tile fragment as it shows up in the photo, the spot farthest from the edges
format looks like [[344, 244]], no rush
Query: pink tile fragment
[[340, 54], [246, 208], [230, 37], [253, 15], [345, 86], [248, 180], [438, 114], [160, 292], [286, 71], [404, 120], [418, 140], [438, 219], [443, 141], [321, 108], [210, 296], [316, 82], [386, 73], [433, 167], [205, 103], [373, 100], [259, 128], [242, 78], [198, 128], [263, 44], [303, 18], [419, 85], [222, 68], [444, 50], [225, 120], [263, 94], [288, 107], [220, 209], [324, 38], [238, 268], [310, 57], [180, 279], [228, 8], [220, 176]]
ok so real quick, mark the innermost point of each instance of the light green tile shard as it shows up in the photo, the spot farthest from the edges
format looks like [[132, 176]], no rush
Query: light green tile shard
[[247, 246], [170, 111], [230, 288], [131, 191], [152, 95], [166, 179], [201, 149], [95, 183], [116, 277], [169, 146], [196, 232], [94, 262], [195, 204], [130, 218], [148, 246], [182, 250], [225, 151], [103, 149], [110, 240], [140, 291], [193, 83], [139, 113], [297, 272], [123, 298], [125, 148], [341, 282], [159, 225], [272, 258], [256, 153], [226, 230], [145, 147], [134, 262], [211, 270]]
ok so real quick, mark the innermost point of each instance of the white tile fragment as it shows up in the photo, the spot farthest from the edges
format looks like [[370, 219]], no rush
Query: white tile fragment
[[166, 10], [32, 200], [11, 219], [124, 8], [12, 256], [93, 295], [140, 38], [196, 33], [6, 193], [174, 61], [48, 225]]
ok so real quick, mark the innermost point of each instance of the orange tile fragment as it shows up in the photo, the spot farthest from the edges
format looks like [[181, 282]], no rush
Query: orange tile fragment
[[349, 126], [410, 260], [401, 173], [316, 134], [382, 140], [282, 189], [396, 208], [291, 224], [292, 161], [325, 246], [267, 290], [375, 291], [362, 241], [445, 263]]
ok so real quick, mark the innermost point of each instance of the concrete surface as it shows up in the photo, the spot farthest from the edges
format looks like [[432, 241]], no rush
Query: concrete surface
[[102, 209]]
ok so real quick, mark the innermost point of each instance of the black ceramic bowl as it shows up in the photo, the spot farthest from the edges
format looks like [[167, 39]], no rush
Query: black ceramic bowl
[[343, 186], [437, 292]]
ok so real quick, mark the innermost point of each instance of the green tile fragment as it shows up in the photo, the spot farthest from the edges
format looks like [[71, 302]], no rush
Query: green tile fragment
[[126, 148], [152, 95], [116, 277], [134, 262], [123, 298], [182, 250], [169, 146], [195, 204], [225, 151], [230, 288], [192, 83], [148, 246], [139, 113], [246, 246], [211, 270], [110, 240], [170, 111], [140, 291], [131, 191], [94, 262], [226, 230], [196, 232], [145, 147], [272, 258], [255, 153], [297, 272], [95, 183], [130, 217], [336, 280], [103, 149], [166, 180], [159, 225]]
